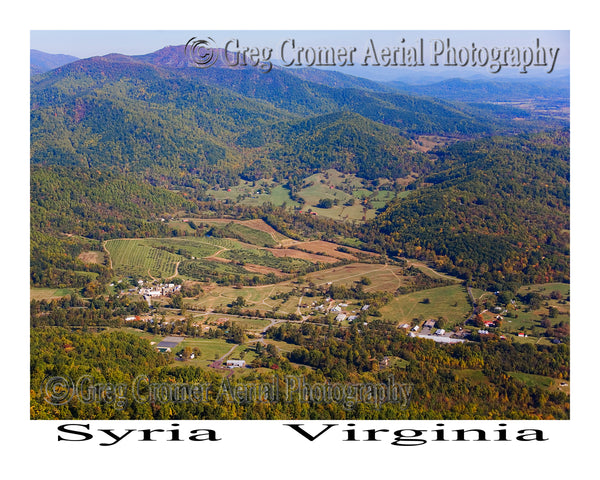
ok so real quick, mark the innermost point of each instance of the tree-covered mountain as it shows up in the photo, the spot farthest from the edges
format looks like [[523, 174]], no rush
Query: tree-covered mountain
[[344, 141], [40, 62], [155, 114], [495, 210]]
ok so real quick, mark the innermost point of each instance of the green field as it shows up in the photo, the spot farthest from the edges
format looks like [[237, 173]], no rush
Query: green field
[[255, 194], [382, 277], [546, 288], [532, 380], [256, 298], [450, 302], [330, 184], [48, 293], [210, 350]]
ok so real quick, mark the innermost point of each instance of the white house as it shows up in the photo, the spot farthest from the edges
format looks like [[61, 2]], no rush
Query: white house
[[236, 363]]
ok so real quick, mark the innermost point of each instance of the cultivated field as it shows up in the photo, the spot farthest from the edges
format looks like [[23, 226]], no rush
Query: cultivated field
[[198, 258]]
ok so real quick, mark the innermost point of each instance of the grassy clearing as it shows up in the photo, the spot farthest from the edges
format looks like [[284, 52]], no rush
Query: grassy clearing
[[256, 298], [49, 293], [91, 256], [282, 347], [152, 338], [331, 184], [255, 194], [382, 277], [546, 289], [210, 350], [475, 376], [531, 339], [532, 380], [449, 302], [250, 324]]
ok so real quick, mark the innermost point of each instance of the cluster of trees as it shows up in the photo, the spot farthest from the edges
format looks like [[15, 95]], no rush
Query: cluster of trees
[[439, 390], [73, 311]]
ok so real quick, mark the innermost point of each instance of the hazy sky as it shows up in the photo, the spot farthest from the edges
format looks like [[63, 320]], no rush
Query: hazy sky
[[87, 43]]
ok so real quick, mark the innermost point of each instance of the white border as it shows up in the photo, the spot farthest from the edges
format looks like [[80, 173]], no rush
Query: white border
[[261, 449]]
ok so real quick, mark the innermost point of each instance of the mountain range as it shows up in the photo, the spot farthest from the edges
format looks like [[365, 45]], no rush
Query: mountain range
[[153, 111], [41, 62], [488, 179]]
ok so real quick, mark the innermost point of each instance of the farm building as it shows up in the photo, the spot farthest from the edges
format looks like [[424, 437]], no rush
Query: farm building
[[429, 323], [168, 343], [236, 363], [340, 317]]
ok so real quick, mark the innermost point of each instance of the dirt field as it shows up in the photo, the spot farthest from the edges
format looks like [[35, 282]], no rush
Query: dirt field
[[330, 249], [293, 253], [262, 269], [258, 224], [91, 257]]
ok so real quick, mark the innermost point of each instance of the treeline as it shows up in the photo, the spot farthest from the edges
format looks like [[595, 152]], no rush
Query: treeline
[[121, 360], [341, 353], [73, 311]]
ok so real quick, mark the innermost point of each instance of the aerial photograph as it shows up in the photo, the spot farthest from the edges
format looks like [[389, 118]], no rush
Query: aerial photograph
[[299, 225]]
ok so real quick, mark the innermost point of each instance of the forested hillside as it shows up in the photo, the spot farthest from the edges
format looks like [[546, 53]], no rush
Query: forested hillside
[[496, 210], [163, 120]]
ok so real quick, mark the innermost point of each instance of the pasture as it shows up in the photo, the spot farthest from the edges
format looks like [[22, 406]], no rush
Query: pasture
[[450, 302], [210, 350], [382, 277], [48, 293], [355, 200]]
